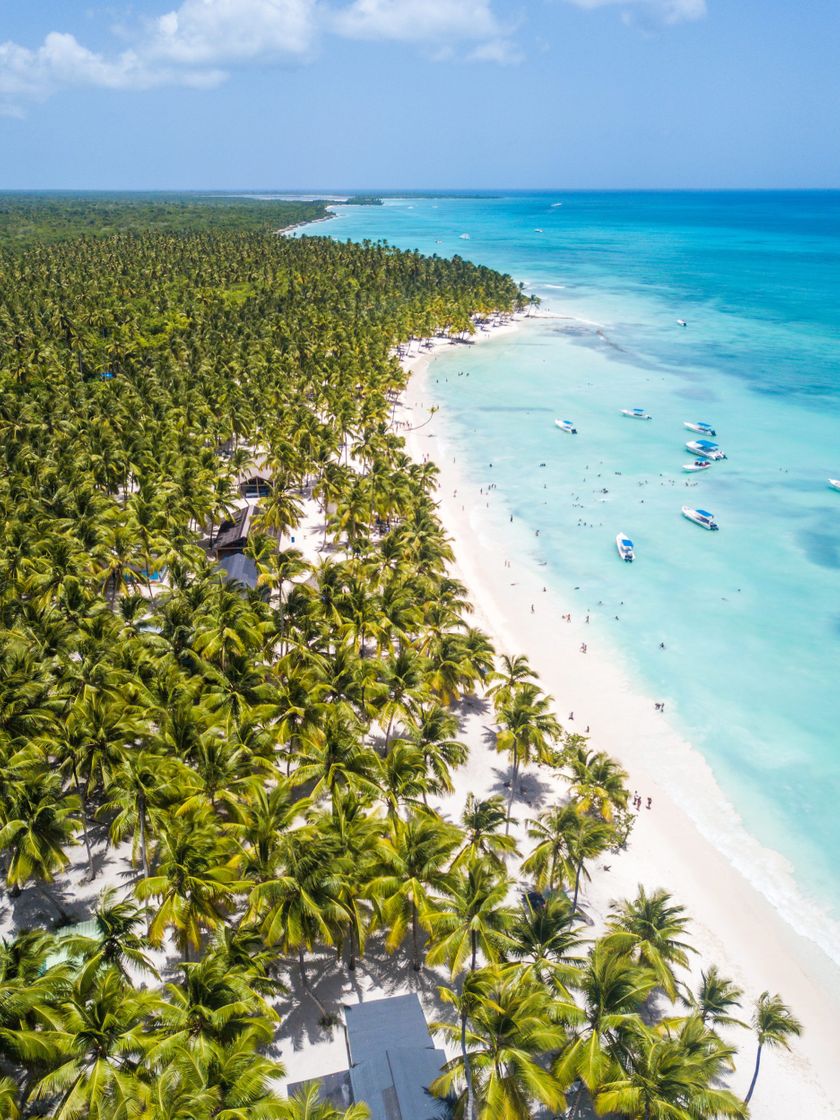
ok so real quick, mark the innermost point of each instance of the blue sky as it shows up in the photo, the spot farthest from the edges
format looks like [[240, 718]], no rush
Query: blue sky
[[354, 94]]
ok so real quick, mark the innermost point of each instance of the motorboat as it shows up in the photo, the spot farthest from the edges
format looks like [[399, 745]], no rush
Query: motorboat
[[834, 483], [697, 465], [699, 426], [464, 236], [636, 413], [625, 548], [682, 323], [566, 426], [538, 231], [700, 517], [705, 448]]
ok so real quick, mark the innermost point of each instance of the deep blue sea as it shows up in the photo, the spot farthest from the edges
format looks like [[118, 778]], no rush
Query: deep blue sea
[[750, 616]]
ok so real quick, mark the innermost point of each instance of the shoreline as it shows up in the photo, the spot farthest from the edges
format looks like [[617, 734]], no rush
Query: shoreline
[[733, 923], [300, 225]]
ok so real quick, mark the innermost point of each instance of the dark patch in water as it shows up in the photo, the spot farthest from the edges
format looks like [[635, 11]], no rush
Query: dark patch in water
[[822, 548]]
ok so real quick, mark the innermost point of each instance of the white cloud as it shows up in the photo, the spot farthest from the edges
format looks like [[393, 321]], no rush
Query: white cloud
[[61, 62], [667, 11], [199, 41], [419, 20], [219, 32]]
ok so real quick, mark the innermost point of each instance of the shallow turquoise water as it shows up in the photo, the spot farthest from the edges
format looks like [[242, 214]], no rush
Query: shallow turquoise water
[[750, 616]]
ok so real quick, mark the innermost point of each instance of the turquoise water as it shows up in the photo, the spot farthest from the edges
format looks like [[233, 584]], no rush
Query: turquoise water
[[750, 616]]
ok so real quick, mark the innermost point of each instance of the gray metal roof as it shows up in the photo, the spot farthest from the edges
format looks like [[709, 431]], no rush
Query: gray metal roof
[[240, 567], [392, 1059]]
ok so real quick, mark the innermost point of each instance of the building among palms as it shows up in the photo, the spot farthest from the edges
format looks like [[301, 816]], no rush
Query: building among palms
[[392, 1062]]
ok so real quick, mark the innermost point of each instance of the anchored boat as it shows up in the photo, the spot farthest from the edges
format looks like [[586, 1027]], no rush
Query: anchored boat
[[706, 448], [697, 465], [636, 413], [700, 517], [699, 426], [835, 483], [566, 426], [625, 548]]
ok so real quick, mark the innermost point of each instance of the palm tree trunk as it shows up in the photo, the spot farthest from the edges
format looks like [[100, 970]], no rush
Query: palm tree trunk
[[577, 891], [465, 1058], [414, 941], [754, 1076], [141, 816], [513, 777], [83, 803]]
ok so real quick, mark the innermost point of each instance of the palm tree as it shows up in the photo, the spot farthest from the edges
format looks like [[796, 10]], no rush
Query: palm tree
[[195, 882], [412, 863], [527, 728], [613, 990], [482, 821], [649, 929], [568, 840], [471, 917], [116, 943], [105, 1032], [433, 731], [665, 1082], [546, 944], [509, 1028], [774, 1025], [306, 1104], [38, 821], [715, 998], [598, 783]]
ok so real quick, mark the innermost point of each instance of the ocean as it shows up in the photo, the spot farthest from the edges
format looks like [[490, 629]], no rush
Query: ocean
[[749, 617]]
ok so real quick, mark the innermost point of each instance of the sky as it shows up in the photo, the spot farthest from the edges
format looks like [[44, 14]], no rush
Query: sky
[[422, 94]]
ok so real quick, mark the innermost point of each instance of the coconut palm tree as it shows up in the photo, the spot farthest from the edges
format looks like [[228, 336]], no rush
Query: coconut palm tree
[[482, 821], [716, 997], [774, 1025], [471, 917], [664, 1082], [649, 929], [509, 1028], [527, 728], [195, 882], [413, 862], [104, 1034], [306, 1104]]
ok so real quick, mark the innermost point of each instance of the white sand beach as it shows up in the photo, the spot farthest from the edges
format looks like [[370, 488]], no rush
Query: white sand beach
[[680, 842]]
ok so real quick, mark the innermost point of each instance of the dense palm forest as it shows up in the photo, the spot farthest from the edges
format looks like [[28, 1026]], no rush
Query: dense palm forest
[[27, 219], [257, 773]]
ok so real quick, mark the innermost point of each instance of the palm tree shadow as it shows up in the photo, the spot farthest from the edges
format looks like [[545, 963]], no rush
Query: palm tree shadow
[[472, 705], [377, 975], [532, 791]]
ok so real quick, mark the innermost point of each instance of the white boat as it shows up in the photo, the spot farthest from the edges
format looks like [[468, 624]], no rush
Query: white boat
[[625, 547], [682, 322], [537, 231], [705, 448], [636, 413], [566, 426], [700, 517], [697, 465], [699, 426], [464, 236], [834, 483]]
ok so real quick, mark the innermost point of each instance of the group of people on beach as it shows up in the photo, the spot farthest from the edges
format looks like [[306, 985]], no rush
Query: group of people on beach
[[637, 801]]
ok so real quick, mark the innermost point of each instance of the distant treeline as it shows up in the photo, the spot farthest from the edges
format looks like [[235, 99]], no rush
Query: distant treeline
[[28, 219]]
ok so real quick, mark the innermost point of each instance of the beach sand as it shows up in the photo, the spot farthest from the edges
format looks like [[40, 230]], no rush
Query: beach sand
[[678, 843]]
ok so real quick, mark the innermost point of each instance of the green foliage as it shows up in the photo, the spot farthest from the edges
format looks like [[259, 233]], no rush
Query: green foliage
[[29, 219]]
